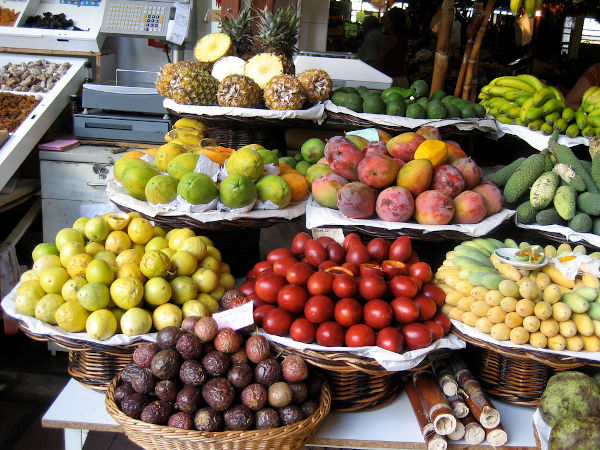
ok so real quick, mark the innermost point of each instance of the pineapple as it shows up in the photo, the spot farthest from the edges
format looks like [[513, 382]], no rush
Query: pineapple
[[239, 30], [239, 90], [163, 80], [277, 32], [262, 67], [317, 85], [187, 83], [213, 46], [228, 65], [284, 92]]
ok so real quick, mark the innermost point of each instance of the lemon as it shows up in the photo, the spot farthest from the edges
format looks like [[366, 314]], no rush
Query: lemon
[[155, 263], [79, 224], [93, 296], [127, 292], [29, 275], [46, 308], [156, 243], [67, 235], [52, 279], [206, 279], [194, 245], [71, 288], [25, 303], [140, 230], [71, 316], [226, 280], [131, 270], [117, 242], [157, 291], [136, 321], [118, 312], [159, 231], [183, 262], [217, 293], [194, 308], [101, 324], [78, 264], [178, 236], [211, 303], [131, 256], [69, 250], [108, 256], [184, 289], [99, 271], [31, 287], [117, 221], [167, 315], [45, 248], [93, 248], [45, 262]]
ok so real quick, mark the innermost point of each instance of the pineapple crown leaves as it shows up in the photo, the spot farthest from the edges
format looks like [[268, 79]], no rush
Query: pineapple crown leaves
[[239, 29], [278, 31]]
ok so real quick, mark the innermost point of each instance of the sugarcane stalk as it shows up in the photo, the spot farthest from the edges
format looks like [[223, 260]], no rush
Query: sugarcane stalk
[[440, 64], [435, 403], [475, 24], [433, 440]]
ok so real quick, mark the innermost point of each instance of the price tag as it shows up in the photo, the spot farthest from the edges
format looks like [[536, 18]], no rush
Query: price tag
[[235, 318], [370, 134], [337, 234], [178, 27]]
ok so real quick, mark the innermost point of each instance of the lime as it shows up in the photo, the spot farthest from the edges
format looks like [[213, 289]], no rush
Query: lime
[[183, 262], [117, 242], [52, 279], [71, 288], [101, 324], [46, 308], [93, 296], [99, 271], [71, 316], [167, 315], [45, 248], [78, 264], [183, 289], [155, 263], [127, 292], [140, 230], [136, 321], [45, 262], [194, 308], [157, 291], [206, 279]]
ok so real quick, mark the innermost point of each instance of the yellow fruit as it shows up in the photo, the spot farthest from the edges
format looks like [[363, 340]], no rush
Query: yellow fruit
[[31, 287], [71, 288], [52, 279], [168, 251], [131, 270], [195, 245], [227, 280], [96, 229], [99, 271], [167, 315], [131, 256], [138, 247], [117, 242], [78, 264], [183, 262], [217, 293], [224, 268], [101, 324], [71, 317], [206, 279], [209, 262], [194, 308], [93, 296], [118, 313], [79, 224], [69, 250], [46, 307], [25, 303], [214, 252], [94, 247], [140, 230], [178, 236], [136, 321], [45, 248], [156, 243], [211, 303], [127, 292], [159, 231], [107, 256], [67, 235], [183, 289], [157, 291], [29, 275], [207, 240], [45, 262], [155, 263], [117, 221]]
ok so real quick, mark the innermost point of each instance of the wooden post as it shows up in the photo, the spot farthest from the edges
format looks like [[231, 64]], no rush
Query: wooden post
[[440, 64], [575, 39], [474, 56], [475, 24]]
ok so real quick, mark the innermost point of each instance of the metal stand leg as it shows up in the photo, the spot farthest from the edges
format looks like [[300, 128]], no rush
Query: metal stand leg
[[75, 438]]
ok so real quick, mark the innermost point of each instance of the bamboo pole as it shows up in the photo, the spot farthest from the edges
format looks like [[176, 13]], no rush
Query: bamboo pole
[[440, 64], [474, 56], [475, 24]]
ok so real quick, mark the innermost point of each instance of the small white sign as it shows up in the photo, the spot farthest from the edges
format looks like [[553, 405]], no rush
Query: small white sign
[[337, 234], [235, 318], [177, 28], [370, 134]]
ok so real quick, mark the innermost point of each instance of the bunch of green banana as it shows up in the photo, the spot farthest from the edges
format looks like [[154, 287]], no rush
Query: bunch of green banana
[[530, 6], [587, 117]]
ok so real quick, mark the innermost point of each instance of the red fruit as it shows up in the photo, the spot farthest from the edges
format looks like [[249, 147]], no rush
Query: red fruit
[[281, 266], [336, 252], [434, 292], [277, 321], [404, 145], [247, 287], [256, 300], [344, 286], [448, 179], [378, 314], [378, 171], [372, 286], [378, 249], [356, 200], [470, 171], [391, 339], [443, 320], [335, 142], [259, 313], [326, 265], [454, 151], [319, 309], [303, 330], [405, 310], [292, 297], [279, 253], [427, 307], [375, 148], [298, 243], [392, 268], [434, 208], [320, 283], [400, 249], [299, 273], [352, 268], [348, 311], [268, 286], [330, 334], [420, 270], [413, 258], [324, 240], [418, 282], [357, 254], [437, 331], [349, 238], [395, 204], [469, 207], [416, 336], [314, 252], [360, 335], [492, 196], [251, 275], [261, 266], [371, 269], [403, 286]]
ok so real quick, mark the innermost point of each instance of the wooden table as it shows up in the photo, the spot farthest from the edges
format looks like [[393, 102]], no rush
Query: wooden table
[[78, 409]]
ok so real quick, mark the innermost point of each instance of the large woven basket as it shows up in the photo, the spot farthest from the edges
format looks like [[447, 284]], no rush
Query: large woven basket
[[514, 375], [151, 436], [357, 383], [93, 365]]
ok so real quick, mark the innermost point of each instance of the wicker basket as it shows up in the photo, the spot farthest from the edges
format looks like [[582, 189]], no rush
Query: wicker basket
[[434, 236], [357, 383], [93, 365], [516, 376], [150, 436]]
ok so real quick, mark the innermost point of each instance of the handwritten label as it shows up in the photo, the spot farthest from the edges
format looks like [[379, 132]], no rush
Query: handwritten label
[[370, 134], [177, 28], [235, 318], [337, 234]]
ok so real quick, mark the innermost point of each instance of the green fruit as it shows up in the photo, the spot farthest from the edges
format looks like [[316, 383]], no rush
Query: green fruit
[[161, 189], [373, 104], [275, 189], [289, 160], [123, 164], [245, 162], [135, 178], [416, 111], [423, 101], [315, 171], [197, 188], [298, 157], [453, 110], [394, 108], [353, 102], [479, 110], [393, 98], [303, 166], [421, 88], [182, 164], [438, 95], [313, 150], [436, 110], [467, 111], [237, 191], [268, 156]]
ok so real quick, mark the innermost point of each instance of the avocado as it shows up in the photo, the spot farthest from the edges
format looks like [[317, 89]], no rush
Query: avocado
[[423, 101], [447, 99], [416, 111], [373, 104], [395, 109], [452, 109], [438, 95], [338, 97], [479, 110], [353, 102], [362, 90], [466, 111], [421, 88], [436, 110], [393, 98]]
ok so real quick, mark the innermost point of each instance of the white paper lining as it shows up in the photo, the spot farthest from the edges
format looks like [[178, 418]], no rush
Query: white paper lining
[[572, 236], [537, 139], [474, 333], [391, 361], [542, 428], [317, 216]]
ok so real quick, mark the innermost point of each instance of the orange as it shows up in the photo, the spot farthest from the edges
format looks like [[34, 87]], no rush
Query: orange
[[286, 168], [151, 152], [133, 154], [298, 186]]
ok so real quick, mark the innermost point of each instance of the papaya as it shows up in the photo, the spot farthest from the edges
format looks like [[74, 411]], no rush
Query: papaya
[[182, 164], [161, 189], [124, 163], [135, 178], [197, 188]]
